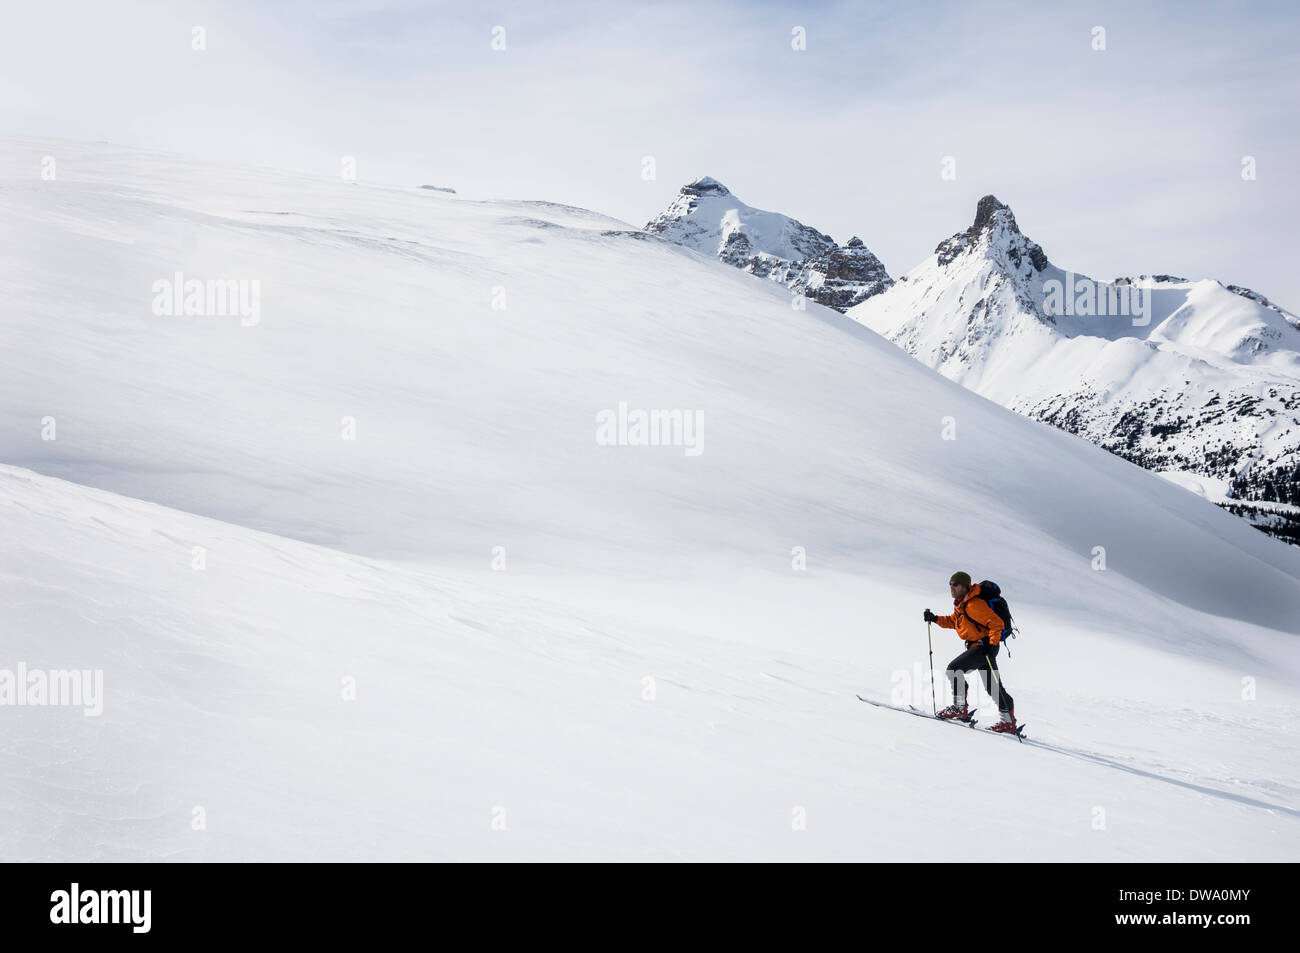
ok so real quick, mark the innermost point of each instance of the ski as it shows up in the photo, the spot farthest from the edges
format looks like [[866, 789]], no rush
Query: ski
[[970, 723], [913, 710]]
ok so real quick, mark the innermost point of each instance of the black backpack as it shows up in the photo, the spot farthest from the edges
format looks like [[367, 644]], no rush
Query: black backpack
[[991, 593]]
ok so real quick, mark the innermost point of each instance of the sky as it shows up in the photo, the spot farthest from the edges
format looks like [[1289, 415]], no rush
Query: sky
[[1120, 160]]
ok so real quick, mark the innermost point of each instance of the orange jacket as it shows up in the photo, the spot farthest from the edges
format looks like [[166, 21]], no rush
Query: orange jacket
[[973, 619]]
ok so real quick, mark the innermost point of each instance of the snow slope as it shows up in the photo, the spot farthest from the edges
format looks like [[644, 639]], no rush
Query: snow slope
[[224, 693], [645, 675]]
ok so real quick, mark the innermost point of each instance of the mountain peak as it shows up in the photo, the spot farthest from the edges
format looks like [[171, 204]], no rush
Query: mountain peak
[[705, 216], [706, 185], [989, 212], [995, 233]]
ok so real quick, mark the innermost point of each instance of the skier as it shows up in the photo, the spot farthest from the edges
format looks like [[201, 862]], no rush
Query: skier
[[981, 629]]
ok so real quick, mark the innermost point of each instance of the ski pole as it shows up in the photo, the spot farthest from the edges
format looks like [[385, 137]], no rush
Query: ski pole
[[929, 638]]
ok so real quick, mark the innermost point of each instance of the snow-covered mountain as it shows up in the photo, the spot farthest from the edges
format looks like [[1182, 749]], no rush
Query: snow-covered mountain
[[705, 216], [376, 563], [1194, 379]]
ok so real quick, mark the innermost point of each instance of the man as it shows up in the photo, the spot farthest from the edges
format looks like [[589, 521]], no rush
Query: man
[[981, 629]]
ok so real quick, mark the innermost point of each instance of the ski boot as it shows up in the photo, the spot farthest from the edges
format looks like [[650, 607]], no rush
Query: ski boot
[[1007, 724], [960, 712]]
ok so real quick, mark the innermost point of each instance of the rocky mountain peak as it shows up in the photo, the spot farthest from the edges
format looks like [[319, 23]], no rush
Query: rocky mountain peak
[[705, 185], [990, 212], [705, 216], [996, 234]]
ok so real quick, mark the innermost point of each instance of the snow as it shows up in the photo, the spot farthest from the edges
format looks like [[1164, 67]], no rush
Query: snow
[[1207, 487], [648, 677]]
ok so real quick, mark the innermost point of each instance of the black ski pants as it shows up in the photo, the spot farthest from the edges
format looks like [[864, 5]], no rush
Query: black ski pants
[[983, 658]]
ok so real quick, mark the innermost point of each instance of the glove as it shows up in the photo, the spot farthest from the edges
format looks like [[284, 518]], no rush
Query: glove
[[930, 616]]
